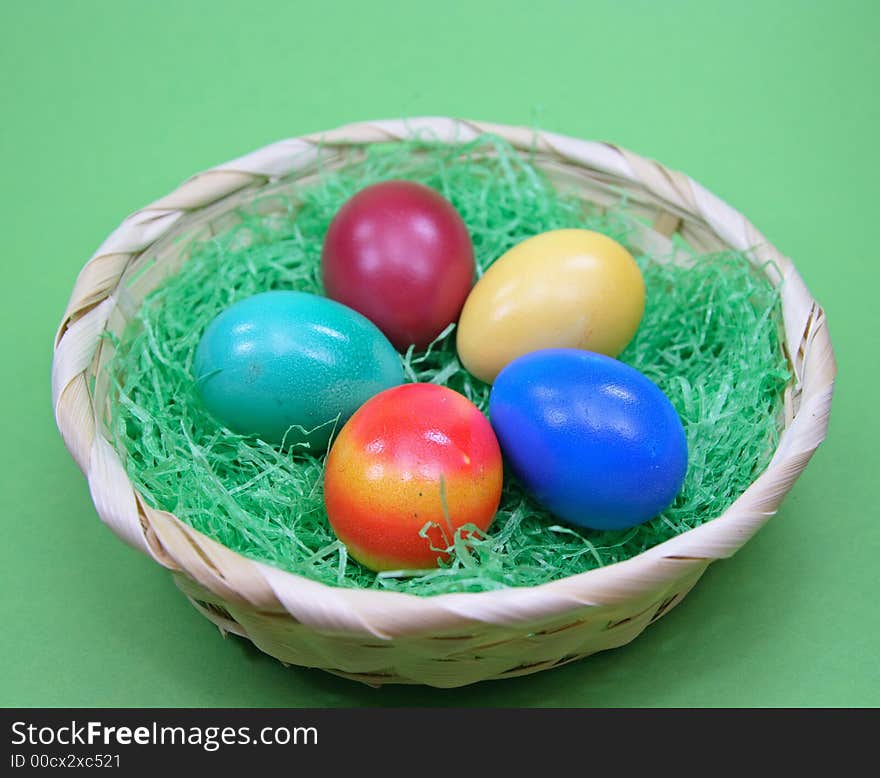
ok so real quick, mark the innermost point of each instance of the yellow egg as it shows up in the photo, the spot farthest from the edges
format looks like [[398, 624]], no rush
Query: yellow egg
[[559, 289]]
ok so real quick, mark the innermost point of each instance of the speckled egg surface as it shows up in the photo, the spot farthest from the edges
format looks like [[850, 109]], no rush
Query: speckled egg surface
[[592, 439], [283, 365]]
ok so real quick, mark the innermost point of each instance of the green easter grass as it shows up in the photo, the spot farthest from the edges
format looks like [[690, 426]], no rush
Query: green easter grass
[[710, 338]]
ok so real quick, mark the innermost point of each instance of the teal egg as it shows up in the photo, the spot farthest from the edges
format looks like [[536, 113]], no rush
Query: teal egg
[[292, 367]]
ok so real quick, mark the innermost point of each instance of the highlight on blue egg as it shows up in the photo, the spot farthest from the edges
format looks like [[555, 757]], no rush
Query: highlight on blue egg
[[291, 367], [592, 439]]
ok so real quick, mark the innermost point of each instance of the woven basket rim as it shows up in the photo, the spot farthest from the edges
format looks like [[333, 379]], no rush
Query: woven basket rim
[[384, 613]]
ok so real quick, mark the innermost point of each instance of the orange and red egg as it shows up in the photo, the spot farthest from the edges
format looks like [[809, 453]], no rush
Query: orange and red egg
[[411, 456]]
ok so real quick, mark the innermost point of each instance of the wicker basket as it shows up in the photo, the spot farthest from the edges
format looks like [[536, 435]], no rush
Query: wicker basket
[[388, 637]]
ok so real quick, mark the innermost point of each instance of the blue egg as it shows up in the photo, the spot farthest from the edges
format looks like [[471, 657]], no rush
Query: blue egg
[[592, 439], [292, 367]]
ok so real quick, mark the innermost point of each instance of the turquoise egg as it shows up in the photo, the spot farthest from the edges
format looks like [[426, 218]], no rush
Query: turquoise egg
[[292, 367]]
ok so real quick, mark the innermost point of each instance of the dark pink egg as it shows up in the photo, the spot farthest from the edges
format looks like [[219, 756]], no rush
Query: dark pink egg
[[399, 253]]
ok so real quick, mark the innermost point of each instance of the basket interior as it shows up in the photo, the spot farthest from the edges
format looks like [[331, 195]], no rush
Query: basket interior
[[650, 221]]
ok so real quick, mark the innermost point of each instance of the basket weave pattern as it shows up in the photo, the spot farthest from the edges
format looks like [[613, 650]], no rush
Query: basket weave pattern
[[389, 637]]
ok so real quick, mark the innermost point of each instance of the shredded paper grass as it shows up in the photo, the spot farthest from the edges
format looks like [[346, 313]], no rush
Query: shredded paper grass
[[710, 338]]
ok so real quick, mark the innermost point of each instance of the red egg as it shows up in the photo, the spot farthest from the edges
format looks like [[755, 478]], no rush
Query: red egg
[[399, 253], [411, 455]]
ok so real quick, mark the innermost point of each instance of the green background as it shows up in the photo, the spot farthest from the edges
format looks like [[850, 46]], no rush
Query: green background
[[106, 106]]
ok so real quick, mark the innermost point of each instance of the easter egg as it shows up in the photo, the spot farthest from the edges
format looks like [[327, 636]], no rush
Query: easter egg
[[592, 439], [414, 454], [399, 253], [560, 289], [290, 366]]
